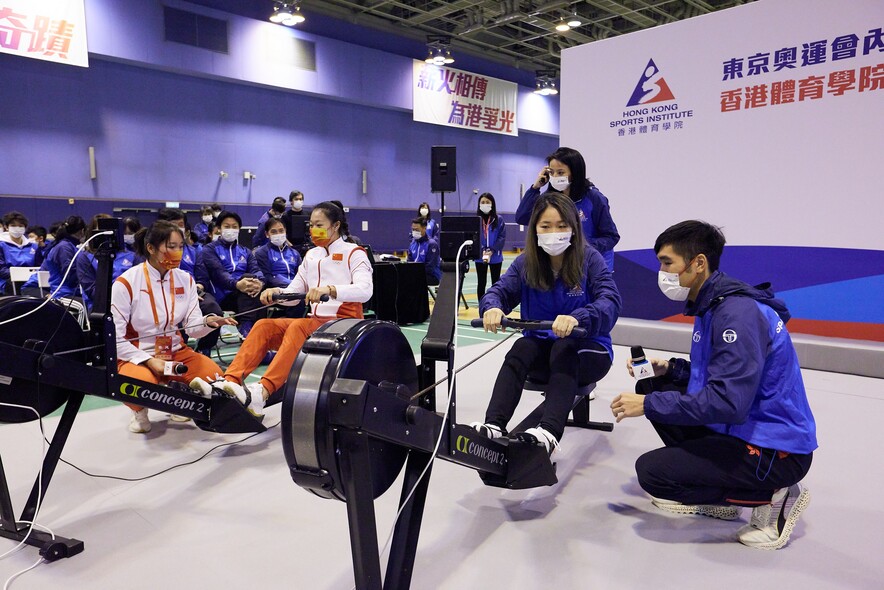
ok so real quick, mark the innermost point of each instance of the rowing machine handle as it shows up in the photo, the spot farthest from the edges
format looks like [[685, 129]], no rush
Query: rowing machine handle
[[577, 332], [294, 296]]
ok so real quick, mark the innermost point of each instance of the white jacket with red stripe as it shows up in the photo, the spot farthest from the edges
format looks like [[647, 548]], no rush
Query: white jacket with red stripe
[[344, 266], [137, 321]]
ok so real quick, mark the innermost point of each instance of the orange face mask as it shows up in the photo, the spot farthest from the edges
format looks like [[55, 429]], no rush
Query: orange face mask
[[170, 259], [319, 235]]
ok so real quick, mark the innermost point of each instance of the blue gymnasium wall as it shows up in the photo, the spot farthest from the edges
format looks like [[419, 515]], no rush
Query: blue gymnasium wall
[[165, 119]]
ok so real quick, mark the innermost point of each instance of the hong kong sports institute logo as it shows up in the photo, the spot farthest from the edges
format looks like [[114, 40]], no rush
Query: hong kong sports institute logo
[[651, 87]]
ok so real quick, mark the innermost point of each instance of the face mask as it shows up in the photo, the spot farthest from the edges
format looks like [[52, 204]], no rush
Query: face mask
[[416, 235], [171, 259], [207, 218], [669, 285], [485, 208], [297, 205], [424, 211], [559, 183], [129, 239], [277, 240], [16, 232], [215, 214], [319, 235], [554, 243], [229, 235]]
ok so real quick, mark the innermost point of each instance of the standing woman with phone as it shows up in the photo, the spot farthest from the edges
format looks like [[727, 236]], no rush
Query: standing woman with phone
[[565, 172]]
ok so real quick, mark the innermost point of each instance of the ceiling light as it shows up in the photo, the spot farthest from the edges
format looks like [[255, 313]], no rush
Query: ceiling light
[[438, 52], [287, 13], [545, 83], [562, 26], [574, 22]]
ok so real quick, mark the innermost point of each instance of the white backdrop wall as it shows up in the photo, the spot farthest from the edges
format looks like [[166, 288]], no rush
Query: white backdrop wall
[[803, 173]]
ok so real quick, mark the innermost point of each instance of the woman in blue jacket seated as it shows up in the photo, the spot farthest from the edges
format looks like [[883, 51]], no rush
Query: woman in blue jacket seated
[[557, 278], [433, 228], [87, 263], [493, 238], [58, 260], [231, 277], [16, 249], [279, 263], [565, 172]]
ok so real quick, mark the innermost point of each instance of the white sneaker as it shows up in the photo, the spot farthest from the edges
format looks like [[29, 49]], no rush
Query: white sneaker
[[710, 510], [256, 405], [139, 424], [177, 418], [203, 387], [487, 430], [771, 524], [540, 436]]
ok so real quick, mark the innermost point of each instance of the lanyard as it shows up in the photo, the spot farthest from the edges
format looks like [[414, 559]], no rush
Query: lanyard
[[156, 319], [486, 225]]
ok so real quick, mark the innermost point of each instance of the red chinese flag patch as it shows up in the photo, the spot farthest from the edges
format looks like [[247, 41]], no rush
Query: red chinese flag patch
[[337, 256]]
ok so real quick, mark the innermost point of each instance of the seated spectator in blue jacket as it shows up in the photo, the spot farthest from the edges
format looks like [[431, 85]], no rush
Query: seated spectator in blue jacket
[[16, 249], [277, 208], [131, 225], [37, 235], [230, 274], [425, 249], [201, 229], [68, 237], [279, 262], [87, 263]]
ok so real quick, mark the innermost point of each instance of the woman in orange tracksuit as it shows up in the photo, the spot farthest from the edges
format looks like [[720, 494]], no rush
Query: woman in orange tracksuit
[[335, 267], [149, 302]]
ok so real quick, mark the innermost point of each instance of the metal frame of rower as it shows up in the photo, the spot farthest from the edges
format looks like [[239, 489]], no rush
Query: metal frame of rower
[[221, 413], [357, 408]]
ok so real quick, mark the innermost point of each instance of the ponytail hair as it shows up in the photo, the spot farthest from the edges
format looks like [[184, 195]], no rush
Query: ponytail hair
[[70, 227], [156, 235]]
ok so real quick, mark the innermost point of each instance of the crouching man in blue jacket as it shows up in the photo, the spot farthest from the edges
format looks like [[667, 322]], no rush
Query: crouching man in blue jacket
[[735, 419]]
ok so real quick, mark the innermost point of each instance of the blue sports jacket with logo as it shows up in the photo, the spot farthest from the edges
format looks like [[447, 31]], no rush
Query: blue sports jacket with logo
[[595, 304], [743, 377]]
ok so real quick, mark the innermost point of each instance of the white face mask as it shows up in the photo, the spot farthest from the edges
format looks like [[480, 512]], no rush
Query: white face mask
[[277, 240], [215, 214], [207, 219], [129, 239], [416, 235], [554, 243], [559, 183], [424, 211], [669, 285], [229, 235], [297, 205], [485, 208], [16, 231]]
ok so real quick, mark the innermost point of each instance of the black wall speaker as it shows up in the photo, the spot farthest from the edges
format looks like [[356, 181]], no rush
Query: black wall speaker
[[443, 170]]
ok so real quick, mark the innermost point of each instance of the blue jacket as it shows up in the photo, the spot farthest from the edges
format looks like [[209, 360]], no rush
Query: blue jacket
[[743, 376], [190, 258], [222, 264], [493, 236], [426, 250], [279, 265], [87, 271], [595, 304], [201, 231], [11, 254], [57, 262], [260, 238], [599, 229], [433, 229]]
